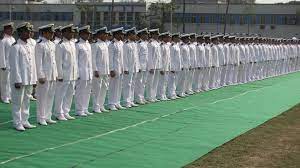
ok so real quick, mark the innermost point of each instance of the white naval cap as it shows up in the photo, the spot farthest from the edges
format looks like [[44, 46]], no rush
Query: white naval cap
[[176, 34], [24, 26], [152, 31], [86, 28], [116, 30], [145, 30], [185, 36], [48, 27], [101, 30], [58, 28], [165, 34], [69, 26], [8, 24], [131, 31]]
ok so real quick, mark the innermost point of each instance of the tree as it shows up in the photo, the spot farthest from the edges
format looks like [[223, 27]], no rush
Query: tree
[[159, 13]]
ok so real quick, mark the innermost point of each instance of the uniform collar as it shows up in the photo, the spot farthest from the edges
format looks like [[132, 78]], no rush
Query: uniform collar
[[20, 41], [81, 40], [6, 36]]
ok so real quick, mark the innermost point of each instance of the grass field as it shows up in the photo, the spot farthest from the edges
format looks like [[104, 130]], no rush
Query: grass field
[[274, 144], [166, 134]]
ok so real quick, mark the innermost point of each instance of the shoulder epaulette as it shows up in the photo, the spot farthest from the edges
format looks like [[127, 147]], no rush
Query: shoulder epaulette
[[126, 41], [60, 42], [39, 41], [139, 41], [77, 41], [14, 43], [172, 44]]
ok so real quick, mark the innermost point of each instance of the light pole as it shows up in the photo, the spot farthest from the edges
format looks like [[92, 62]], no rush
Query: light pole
[[111, 13], [183, 16], [227, 8]]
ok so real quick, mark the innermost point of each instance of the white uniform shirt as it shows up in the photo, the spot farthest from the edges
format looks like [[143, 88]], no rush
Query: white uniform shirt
[[154, 55], [185, 56], [142, 47], [84, 59], [175, 57], [165, 56], [66, 60], [100, 57], [200, 55], [45, 60], [215, 55], [5, 46], [221, 54], [193, 58], [22, 63], [130, 58], [115, 52], [208, 56]]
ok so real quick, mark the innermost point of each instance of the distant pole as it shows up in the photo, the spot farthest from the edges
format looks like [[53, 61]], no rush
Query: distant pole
[[111, 13], [171, 15], [226, 15], [94, 14], [10, 12], [183, 16]]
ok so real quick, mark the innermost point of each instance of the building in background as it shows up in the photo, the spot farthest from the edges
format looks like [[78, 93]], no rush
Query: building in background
[[96, 14], [276, 20]]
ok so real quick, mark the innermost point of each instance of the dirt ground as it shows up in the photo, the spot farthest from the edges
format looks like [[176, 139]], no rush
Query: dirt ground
[[275, 144]]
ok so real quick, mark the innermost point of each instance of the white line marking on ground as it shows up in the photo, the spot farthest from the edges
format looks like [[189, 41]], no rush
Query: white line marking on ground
[[120, 129]]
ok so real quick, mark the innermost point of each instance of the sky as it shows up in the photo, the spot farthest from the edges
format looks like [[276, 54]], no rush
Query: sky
[[258, 1]]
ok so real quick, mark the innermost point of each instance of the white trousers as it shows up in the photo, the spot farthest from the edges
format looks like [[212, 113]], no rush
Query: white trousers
[[213, 78], [45, 97], [63, 97], [115, 90], [198, 79], [223, 70], [162, 85], [190, 81], [172, 82], [128, 87], [140, 84], [20, 104], [152, 84], [99, 90], [206, 78], [182, 82], [5, 89], [82, 96]]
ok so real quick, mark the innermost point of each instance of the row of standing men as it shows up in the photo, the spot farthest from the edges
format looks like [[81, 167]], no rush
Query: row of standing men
[[128, 67]]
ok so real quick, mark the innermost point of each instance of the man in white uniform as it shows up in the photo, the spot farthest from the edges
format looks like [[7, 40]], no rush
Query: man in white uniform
[[185, 60], [101, 70], [131, 67], [141, 77], [165, 64], [23, 77], [85, 72], [5, 46], [57, 35], [116, 66], [46, 74], [154, 61], [67, 69], [175, 66]]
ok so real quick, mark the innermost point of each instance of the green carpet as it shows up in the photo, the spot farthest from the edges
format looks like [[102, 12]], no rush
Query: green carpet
[[160, 135]]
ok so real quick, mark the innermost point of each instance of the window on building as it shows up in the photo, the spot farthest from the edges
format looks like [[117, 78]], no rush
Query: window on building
[[129, 18], [202, 19], [122, 18], [106, 18]]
